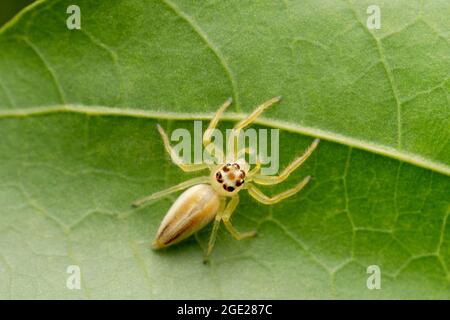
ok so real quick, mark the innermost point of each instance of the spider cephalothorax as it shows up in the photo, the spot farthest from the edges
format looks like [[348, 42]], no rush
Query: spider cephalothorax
[[230, 176]]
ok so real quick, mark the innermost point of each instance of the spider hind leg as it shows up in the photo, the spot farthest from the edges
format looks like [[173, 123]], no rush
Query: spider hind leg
[[224, 215]]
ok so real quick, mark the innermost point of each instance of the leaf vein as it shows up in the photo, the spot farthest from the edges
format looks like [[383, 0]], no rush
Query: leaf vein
[[202, 34], [47, 66]]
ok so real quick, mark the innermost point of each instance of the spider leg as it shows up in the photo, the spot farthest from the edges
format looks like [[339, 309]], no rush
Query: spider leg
[[212, 237], [254, 170], [261, 197], [268, 180], [252, 116], [175, 188], [226, 220], [245, 122], [212, 125], [175, 159]]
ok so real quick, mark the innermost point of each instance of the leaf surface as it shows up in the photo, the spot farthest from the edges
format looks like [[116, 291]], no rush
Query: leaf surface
[[78, 110]]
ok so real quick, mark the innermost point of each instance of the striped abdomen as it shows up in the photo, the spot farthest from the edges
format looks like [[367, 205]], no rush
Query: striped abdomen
[[194, 208]]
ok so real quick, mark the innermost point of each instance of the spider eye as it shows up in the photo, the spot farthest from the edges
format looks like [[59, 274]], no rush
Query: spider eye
[[230, 189], [240, 182], [236, 166], [242, 174], [226, 167], [219, 177]]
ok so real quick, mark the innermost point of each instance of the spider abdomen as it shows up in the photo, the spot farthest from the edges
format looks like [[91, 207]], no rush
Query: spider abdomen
[[193, 209]]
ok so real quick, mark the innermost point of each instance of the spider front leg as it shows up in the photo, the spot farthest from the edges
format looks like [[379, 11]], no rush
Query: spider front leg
[[212, 125], [261, 197], [175, 159], [252, 116], [232, 142], [268, 180]]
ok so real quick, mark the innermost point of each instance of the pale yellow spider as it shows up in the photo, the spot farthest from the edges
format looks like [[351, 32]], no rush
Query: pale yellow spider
[[206, 199]]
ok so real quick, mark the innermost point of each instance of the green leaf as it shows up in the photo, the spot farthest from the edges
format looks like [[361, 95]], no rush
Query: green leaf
[[78, 110]]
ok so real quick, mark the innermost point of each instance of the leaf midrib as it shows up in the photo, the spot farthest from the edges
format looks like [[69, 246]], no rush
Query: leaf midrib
[[365, 145]]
